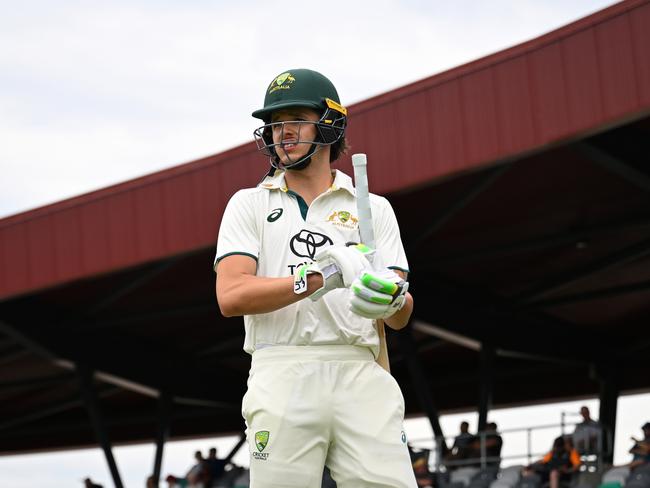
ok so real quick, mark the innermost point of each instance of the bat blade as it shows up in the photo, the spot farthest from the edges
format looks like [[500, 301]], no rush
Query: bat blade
[[367, 234]]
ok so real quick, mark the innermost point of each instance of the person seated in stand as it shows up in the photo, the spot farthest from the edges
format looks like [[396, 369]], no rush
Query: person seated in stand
[[641, 449], [215, 466], [493, 445], [462, 447], [488, 444], [586, 435], [197, 476], [420, 463], [559, 464]]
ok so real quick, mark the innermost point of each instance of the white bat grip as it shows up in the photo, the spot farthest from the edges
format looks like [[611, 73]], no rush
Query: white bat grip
[[366, 231]]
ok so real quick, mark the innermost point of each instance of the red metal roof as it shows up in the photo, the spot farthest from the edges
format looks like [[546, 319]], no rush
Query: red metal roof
[[580, 79]]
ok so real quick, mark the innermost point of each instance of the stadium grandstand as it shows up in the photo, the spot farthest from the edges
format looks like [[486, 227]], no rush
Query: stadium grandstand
[[523, 193]]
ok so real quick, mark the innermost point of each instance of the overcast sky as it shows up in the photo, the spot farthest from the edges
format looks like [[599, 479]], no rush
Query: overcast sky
[[94, 93]]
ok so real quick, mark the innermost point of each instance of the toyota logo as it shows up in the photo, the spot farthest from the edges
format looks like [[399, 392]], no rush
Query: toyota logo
[[306, 243]]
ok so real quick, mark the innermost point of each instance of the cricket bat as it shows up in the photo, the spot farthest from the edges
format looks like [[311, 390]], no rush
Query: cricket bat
[[367, 233]]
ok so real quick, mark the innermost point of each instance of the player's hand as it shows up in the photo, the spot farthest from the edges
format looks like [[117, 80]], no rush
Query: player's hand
[[339, 266], [378, 294]]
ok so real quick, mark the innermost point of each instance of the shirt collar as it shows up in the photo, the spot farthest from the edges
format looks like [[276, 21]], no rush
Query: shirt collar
[[277, 182]]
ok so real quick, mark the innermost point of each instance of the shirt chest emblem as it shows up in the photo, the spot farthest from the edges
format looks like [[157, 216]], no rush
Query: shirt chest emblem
[[343, 218]]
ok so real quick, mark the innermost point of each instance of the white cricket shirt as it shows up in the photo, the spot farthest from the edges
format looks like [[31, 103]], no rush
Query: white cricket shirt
[[274, 226]]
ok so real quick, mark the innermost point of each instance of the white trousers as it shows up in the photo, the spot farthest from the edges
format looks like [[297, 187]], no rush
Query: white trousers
[[310, 406]]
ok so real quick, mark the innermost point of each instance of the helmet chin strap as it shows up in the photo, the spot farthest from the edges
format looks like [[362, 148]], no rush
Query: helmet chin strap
[[299, 165]]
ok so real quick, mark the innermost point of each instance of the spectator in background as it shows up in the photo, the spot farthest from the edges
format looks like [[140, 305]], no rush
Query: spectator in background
[[420, 463], [463, 441], [216, 466], [197, 476], [560, 464], [493, 445], [462, 448], [641, 449], [586, 436]]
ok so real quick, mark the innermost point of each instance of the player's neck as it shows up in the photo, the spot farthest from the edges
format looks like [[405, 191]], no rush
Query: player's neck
[[311, 181]]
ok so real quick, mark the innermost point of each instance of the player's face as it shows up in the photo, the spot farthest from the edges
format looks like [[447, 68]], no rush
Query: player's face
[[295, 136]]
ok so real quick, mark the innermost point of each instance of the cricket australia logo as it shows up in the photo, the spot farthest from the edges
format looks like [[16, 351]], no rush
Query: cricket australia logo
[[305, 244], [261, 441], [282, 82], [343, 218]]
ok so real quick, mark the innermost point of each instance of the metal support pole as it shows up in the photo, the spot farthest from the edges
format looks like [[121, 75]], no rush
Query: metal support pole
[[164, 419], [235, 449], [608, 405], [486, 386], [422, 388], [97, 420]]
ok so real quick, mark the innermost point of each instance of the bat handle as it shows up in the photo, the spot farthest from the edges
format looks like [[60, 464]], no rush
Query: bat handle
[[359, 164]]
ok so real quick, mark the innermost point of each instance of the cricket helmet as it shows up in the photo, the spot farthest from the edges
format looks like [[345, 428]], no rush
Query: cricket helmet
[[309, 89]]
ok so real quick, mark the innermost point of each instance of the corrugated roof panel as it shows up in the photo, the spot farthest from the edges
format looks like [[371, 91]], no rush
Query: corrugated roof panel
[[479, 116], [515, 109], [640, 22], [357, 131], [616, 63], [209, 197], [68, 248], [122, 233], [447, 131], [3, 253], [582, 79], [381, 142], [41, 251], [149, 221], [411, 134], [548, 91], [95, 238], [180, 209], [242, 171], [15, 257]]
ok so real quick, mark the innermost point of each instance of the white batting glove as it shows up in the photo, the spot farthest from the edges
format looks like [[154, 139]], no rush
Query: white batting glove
[[338, 265], [378, 294]]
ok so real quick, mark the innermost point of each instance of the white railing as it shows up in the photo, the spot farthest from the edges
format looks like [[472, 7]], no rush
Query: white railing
[[592, 458]]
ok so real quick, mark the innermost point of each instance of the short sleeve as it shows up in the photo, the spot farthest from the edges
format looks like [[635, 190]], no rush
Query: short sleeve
[[238, 233], [388, 238]]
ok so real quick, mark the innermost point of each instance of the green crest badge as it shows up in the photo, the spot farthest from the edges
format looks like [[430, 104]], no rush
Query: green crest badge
[[261, 439], [282, 82], [344, 216]]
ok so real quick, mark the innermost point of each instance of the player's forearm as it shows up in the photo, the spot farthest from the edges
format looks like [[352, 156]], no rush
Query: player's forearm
[[250, 295], [399, 320]]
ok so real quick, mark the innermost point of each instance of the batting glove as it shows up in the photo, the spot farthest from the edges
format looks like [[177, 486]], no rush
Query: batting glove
[[378, 294], [338, 265]]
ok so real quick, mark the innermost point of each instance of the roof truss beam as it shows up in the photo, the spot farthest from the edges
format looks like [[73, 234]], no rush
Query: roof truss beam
[[459, 204], [618, 258], [614, 165]]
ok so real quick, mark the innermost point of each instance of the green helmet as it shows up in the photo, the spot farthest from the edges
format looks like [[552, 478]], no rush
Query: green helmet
[[302, 88], [298, 88]]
